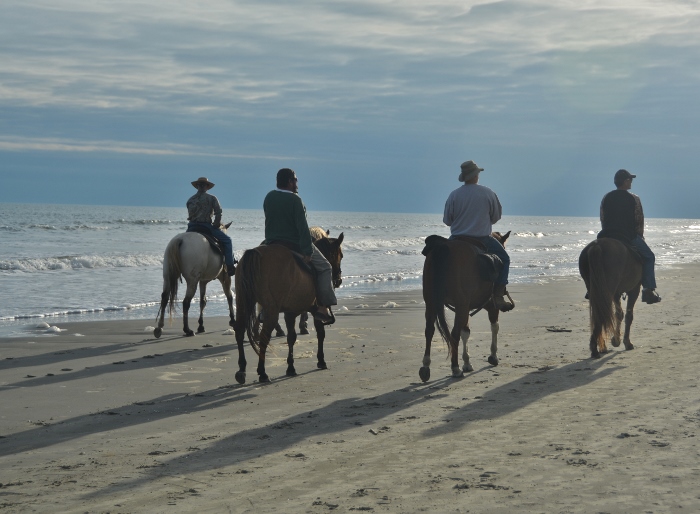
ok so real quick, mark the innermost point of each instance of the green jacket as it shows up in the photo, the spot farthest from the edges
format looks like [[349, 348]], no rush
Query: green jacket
[[285, 220]]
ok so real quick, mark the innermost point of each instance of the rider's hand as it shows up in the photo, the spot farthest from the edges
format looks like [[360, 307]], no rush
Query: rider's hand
[[307, 259]]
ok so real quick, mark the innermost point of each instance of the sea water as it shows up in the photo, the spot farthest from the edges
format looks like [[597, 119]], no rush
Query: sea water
[[61, 263]]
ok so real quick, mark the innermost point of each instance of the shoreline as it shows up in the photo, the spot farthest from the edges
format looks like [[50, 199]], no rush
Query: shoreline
[[115, 420]]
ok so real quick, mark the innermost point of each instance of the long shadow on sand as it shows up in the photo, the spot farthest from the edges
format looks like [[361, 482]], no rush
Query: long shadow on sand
[[129, 357], [518, 394], [341, 415]]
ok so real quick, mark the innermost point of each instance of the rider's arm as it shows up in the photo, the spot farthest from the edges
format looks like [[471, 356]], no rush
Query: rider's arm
[[638, 216], [216, 207], [302, 227], [448, 217], [495, 209]]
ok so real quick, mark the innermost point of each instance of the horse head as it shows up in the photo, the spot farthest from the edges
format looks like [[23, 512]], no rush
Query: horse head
[[501, 238], [331, 250]]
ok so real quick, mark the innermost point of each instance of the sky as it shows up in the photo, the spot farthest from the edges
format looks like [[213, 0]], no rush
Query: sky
[[374, 103]]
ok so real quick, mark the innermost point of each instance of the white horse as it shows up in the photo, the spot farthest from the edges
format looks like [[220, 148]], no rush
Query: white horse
[[189, 255]]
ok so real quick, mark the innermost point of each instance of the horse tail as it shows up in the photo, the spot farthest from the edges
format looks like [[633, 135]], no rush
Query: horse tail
[[171, 275], [440, 263], [245, 293], [600, 294]]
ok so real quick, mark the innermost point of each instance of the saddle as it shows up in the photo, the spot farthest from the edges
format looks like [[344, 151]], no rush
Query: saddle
[[613, 234], [212, 241], [490, 265]]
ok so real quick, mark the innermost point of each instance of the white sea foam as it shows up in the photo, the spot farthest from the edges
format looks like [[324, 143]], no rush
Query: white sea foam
[[390, 305], [75, 262]]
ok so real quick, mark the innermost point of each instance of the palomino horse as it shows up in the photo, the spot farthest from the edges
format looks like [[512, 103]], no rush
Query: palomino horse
[[270, 275], [191, 256], [609, 269], [451, 277]]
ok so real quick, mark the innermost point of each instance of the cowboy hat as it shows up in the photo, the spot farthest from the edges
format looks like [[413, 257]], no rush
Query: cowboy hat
[[203, 180], [469, 171]]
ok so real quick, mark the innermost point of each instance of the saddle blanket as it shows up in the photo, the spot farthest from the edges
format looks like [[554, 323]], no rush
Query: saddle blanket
[[490, 265]]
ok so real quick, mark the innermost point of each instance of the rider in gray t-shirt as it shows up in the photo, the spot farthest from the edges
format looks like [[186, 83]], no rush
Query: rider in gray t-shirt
[[471, 210]]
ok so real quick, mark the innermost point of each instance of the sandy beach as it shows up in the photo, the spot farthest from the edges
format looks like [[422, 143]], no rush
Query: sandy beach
[[102, 417]]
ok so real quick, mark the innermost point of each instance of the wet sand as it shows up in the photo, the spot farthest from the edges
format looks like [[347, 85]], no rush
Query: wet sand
[[104, 418]]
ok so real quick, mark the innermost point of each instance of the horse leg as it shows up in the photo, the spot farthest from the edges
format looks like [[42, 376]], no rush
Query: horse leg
[[202, 304], [191, 288], [465, 349], [289, 320], [239, 329], [461, 323], [629, 316], [424, 372], [596, 335], [226, 286], [304, 325], [161, 319], [619, 316], [493, 318], [320, 336], [265, 334]]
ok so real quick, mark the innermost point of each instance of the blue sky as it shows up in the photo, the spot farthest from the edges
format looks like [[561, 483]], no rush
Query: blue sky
[[374, 103]]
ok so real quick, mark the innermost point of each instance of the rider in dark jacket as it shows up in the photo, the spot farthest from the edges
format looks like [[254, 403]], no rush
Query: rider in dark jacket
[[622, 217]]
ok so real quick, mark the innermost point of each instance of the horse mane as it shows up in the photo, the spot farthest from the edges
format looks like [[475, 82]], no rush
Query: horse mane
[[318, 233]]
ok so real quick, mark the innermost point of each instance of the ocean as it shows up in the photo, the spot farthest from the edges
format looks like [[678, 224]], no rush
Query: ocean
[[61, 263]]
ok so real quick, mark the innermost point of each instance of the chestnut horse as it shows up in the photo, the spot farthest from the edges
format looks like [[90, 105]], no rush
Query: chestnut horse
[[190, 255], [451, 278], [271, 276], [609, 268]]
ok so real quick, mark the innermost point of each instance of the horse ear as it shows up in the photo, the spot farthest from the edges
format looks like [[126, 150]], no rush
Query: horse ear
[[328, 232], [505, 236], [340, 238], [228, 224]]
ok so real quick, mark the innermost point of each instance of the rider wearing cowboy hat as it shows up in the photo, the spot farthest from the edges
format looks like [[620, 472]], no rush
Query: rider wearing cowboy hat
[[201, 207], [471, 210]]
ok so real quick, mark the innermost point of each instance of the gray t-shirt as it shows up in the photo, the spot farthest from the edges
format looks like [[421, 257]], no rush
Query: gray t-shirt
[[471, 210], [202, 206]]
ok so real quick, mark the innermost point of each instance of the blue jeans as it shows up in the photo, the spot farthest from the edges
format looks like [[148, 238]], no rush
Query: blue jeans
[[493, 246], [648, 260], [220, 236]]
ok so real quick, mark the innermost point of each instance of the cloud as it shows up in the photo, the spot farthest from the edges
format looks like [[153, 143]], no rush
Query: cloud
[[17, 144]]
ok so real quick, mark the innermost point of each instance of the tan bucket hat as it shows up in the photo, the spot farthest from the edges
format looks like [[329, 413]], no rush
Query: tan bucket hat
[[469, 171], [203, 180]]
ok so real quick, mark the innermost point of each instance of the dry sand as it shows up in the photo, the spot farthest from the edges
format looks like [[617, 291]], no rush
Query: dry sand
[[116, 421]]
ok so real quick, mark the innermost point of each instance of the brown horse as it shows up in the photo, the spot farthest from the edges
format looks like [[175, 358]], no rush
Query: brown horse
[[609, 269], [451, 277], [271, 276]]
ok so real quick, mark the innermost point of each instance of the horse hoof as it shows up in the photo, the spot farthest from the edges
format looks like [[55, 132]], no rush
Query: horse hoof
[[321, 365], [263, 378], [291, 372], [232, 323], [595, 355], [157, 332], [200, 330], [240, 377], [467, 368], [424, 373], [189, 333], [493, 360], [280, 333], [457, 373], [629, 346], [615, 342], [304, 332]]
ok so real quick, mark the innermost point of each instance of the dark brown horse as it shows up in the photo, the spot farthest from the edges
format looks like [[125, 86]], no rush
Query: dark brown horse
[[451, 278], [270, 275], [609, 269]]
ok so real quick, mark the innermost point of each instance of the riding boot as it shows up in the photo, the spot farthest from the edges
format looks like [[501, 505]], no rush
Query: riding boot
[[501, 303], [650, 296]]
